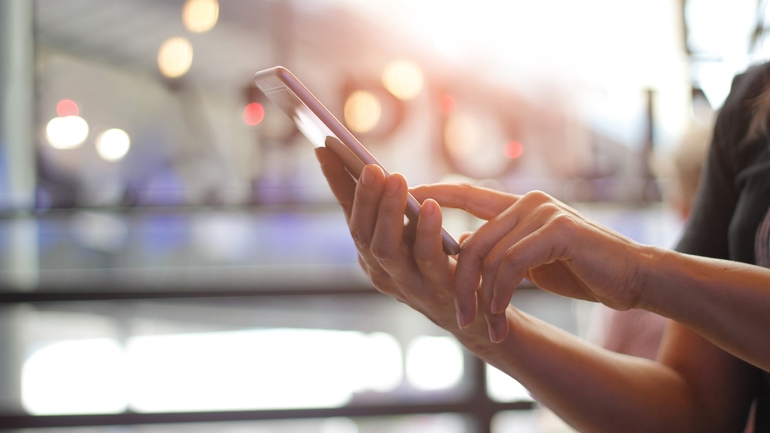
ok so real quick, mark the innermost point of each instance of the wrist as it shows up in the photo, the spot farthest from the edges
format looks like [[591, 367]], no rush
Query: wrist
[[650, 267]]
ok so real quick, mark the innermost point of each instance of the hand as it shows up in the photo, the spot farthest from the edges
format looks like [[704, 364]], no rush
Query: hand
[[539, 238], [414, 271]]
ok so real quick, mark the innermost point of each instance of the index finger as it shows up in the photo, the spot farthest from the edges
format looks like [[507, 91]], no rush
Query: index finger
[[480, 202], [473, 264]]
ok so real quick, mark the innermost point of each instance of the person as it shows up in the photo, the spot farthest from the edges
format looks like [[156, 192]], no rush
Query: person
[[714, 359]]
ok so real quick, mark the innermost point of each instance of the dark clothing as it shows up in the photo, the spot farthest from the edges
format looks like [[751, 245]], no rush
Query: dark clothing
[[731, 216]]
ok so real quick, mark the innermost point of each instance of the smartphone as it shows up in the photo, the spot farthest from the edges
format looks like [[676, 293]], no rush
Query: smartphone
[[323, 129]]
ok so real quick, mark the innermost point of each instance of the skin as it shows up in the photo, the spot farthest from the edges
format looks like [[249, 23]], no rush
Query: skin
[[703, 380]]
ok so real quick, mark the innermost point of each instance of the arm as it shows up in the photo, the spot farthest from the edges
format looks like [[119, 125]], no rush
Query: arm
[[726, 302], [539, 238], [591, 388]]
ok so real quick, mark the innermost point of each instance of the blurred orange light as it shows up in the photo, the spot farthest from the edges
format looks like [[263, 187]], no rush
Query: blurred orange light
[[200, 16], [253, 114], [447, 104], [362, 111], [403, 79], [67, 107], [463, 135], [514, 149], [175, 57]]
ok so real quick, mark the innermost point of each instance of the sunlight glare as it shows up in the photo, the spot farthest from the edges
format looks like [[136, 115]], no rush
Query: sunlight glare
[[434, 363], [504, 388], [79, 376], [249, 370]]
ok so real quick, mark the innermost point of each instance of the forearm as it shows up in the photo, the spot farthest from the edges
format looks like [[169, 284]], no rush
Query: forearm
[[726, 302], [590, 388]]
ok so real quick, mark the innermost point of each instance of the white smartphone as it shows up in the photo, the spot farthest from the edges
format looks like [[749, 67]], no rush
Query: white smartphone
[[322, 129]]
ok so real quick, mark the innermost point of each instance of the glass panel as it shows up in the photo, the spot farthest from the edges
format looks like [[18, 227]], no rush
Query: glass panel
[[186, 250], [224, 354], [210, 249], [240, 354]]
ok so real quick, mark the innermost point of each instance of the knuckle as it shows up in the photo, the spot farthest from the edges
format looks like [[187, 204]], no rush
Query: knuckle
[[510, 256], [488, 261], [538, 197], [470, 247], [383, 253], [359, 239], [563, 222]]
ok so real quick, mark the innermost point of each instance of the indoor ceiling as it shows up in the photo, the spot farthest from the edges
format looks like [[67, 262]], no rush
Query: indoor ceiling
[[250, 34]]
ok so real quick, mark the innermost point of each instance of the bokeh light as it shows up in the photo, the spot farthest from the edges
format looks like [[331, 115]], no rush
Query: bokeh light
[[403, 79], [258, 369], [113, 144], [434, 363], [463, 133], [66, 132], [514, 149], [200, 16], [447, 104], [504, 388], [363, 111], [67, 107], [86, 376], [253, 114], [477, 145], [175, 57]]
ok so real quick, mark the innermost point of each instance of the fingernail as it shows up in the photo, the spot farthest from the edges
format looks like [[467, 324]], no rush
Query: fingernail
[[462, 317], [492, 333], [367, 176], [392, 185], [496, 329], [462, 322], [429, 207]]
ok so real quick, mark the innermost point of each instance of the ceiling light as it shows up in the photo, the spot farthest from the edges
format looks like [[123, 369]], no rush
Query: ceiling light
[[362, 111], [113, 144], [403, 79], [175, 57], [66, 132], [200, 16]]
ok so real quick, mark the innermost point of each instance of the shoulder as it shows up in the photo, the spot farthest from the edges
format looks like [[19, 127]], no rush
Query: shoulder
[[743, 114]]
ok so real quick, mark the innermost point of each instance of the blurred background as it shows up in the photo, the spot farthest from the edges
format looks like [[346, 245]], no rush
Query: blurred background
[[171, 258]]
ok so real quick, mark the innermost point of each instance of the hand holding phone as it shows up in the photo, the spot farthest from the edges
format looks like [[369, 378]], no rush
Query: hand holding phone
[[321, 128]]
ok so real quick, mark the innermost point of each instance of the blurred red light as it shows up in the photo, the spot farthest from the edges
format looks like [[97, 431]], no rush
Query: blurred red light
[[67, 107], [253, 114], [448, 104], [514, 149]]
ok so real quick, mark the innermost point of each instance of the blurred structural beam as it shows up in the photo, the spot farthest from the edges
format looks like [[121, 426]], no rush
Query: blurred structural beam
[[17, 144], [17, 77], [465, 407], [17, 169]]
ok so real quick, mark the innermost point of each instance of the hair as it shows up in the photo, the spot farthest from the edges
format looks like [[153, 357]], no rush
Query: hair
[[760, 107]]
